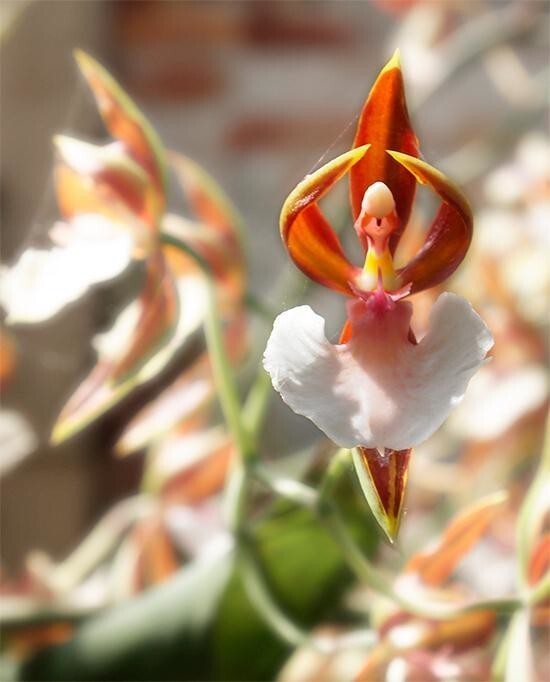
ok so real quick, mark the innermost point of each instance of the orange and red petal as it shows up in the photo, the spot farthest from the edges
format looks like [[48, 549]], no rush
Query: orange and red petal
[[206, 198], [436, 564], [104, 180], [384, 124], [450, 233], [123, 119], [310, 240], [158, 318]]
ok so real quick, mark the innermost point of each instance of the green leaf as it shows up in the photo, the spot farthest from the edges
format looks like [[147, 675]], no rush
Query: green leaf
[[161, 635], [202, 625], [307, 575]]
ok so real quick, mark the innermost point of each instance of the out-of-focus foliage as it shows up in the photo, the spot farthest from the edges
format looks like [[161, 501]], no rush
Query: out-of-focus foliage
[[229, 564]]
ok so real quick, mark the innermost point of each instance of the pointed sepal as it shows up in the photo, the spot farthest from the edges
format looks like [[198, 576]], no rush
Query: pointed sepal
[[450, 233], [124, 120], [220, 245], [310, 240], [434, 565], [383, 479], [384, 124]]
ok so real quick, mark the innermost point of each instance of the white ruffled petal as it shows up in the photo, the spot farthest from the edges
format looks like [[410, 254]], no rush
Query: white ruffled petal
[[43, 281], [306, 370], [378, 390]]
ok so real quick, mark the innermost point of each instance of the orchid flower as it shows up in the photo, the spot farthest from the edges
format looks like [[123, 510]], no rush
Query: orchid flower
[[123, 186], [379, 391]]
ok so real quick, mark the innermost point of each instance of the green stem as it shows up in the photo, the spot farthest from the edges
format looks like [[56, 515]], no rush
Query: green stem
[[367, 572], [540, 592], [290, 489], [532, 512], [255, 406], [238, 483], [245, 425], [223, 377], [256, 583], [260, 594], [237, 486]]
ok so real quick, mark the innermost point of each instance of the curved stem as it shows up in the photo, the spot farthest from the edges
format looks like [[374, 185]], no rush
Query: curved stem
[[292, 490], [365, 570], [237, 486], [259, 592], [223, 377], [255, 405], [257, 586]]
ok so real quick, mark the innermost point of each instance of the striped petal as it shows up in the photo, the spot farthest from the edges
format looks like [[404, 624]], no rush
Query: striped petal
[[383, 478], [311, 242]]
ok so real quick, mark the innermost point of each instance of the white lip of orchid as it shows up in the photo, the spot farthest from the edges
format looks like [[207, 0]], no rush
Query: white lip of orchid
[[378, 390]]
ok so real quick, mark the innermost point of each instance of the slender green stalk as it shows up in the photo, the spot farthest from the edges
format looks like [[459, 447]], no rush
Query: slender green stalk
[[367, 572], [532, 512], [223, 377], [238, 482], [256, 403], [244, 424], [292, 490], [258, 589], [257, 586]]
